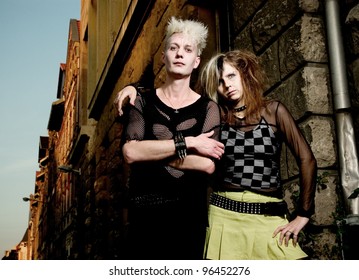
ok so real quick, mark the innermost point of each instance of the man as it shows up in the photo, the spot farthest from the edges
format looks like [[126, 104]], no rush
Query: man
[[171, 144]]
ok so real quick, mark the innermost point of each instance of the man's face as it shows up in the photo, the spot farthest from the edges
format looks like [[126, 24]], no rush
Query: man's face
[[180, 56]]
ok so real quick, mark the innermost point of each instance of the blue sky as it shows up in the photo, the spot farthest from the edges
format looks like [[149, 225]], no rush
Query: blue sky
[[33, 43]]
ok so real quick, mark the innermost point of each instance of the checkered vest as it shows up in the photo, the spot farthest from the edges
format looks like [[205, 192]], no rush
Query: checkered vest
[[252, 158]]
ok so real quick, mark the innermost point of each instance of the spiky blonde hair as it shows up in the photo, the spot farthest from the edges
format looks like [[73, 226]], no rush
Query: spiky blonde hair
[[196, 30]]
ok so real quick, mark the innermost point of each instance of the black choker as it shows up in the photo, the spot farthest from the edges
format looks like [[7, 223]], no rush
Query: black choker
[[240, 109]]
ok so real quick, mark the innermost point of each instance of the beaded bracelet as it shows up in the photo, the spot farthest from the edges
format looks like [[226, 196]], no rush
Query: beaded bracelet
[[180, 145]]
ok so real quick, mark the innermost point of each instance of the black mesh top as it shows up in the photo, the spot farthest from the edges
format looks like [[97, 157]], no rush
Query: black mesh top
[[252, 156], [151, 119]]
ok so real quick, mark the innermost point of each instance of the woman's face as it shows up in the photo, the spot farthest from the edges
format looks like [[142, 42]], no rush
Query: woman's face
[[230, 84]]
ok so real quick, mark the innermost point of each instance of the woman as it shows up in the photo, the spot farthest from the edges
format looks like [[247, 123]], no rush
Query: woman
[[242, 225]]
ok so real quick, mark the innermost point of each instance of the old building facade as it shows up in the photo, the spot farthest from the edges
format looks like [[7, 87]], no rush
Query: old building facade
[[118, 42]]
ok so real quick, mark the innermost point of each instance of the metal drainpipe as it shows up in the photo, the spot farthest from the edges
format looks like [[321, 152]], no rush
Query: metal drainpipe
[[347, 153]]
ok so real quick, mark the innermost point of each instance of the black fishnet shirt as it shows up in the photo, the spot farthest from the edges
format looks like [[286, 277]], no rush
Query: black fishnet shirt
[[151, 119]]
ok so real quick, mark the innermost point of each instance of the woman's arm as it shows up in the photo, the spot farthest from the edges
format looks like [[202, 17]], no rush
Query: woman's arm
[[305, 159], [130, 92], [307, 171]]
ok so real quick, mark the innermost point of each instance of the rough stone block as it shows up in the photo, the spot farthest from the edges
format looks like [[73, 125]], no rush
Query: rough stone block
[[309, 6], [243, 11], [312, 39], [244, 40], [316, 89], [322, 133], [326, 199], [271, 19], [306, 91], [270, 64], [289, 93], [303, 42]]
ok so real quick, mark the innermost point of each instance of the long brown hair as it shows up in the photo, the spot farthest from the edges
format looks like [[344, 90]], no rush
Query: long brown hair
[[253, 82]]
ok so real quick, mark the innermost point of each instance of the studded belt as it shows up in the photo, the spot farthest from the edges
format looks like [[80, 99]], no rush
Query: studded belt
[[267, 208]]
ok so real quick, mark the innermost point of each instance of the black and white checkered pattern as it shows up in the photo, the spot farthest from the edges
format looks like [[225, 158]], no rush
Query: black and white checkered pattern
[[252, 157]]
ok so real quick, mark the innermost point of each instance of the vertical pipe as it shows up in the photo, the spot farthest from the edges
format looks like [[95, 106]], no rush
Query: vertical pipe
[[336, 56], [347, 153]]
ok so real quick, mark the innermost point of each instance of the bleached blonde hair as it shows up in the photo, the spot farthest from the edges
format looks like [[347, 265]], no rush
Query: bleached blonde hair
[[196, 31]]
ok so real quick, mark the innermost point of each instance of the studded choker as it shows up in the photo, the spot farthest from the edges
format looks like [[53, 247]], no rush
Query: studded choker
[[240, 109]]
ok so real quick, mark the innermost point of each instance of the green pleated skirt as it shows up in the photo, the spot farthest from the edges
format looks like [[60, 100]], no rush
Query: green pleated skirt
[[239, 236]]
